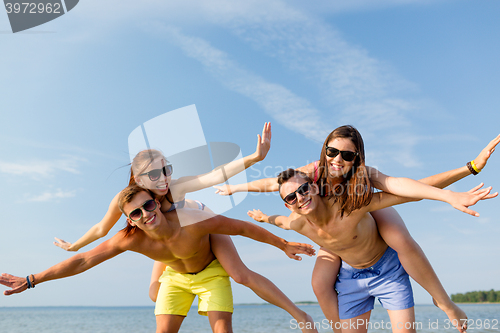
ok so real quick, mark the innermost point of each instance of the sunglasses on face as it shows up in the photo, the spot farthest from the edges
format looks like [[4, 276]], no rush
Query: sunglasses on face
[[155, 174], [136, 214], [347, 155], [303, 189]]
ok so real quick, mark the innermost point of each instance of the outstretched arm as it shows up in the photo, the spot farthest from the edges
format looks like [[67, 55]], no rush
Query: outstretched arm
[[99, 230], [278, 220], [422, 190], [444, 179], [261, 185], [223, 225], [69, 267], [221, 174], [463, 199]]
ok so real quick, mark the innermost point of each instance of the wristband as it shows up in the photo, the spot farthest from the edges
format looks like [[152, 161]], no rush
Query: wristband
[[29, 282], [474, 166], [471, 168], [33, 282]]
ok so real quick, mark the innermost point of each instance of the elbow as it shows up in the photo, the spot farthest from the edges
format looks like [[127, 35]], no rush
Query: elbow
[[153, 292], [101, 232]]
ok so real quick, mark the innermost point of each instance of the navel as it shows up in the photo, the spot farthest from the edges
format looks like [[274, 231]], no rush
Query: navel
[[355, 237]]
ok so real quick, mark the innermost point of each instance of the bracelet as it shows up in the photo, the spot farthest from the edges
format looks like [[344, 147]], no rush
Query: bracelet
[[29, 282], [474, 166], [471, 168]]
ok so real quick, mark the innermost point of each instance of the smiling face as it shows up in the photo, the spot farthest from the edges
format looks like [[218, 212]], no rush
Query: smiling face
[[149, 219], [337, 166], [157, 186], [305, 200]]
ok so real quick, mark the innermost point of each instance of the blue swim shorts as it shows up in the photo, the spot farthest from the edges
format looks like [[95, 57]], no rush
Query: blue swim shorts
[[386, 279]]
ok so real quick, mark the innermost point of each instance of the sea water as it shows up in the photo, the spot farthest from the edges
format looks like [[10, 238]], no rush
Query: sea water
[[246, 318]]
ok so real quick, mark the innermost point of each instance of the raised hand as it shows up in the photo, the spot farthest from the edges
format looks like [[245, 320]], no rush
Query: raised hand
[[263, 142], [485, 154], [63, 244], [16, 283], [292, 249], [463, 200]]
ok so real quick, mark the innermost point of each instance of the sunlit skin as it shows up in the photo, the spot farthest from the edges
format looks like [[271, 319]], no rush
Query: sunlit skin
[[337, 166], [158, 187], [222, 245], [183, 253], [161, 237], [161, 186], [320, 226], [178, 188], [354, 238]]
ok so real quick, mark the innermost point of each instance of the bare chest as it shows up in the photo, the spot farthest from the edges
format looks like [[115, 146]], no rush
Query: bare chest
[[181, 247], [343, 235]]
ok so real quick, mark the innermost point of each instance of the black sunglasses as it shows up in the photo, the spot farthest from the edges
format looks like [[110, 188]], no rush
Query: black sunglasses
[[148, 206], [347, 155], [303, 189], [154, 174]]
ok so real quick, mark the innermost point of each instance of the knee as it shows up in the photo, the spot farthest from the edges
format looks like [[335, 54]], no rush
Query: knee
[[242, 278], [320, 288]]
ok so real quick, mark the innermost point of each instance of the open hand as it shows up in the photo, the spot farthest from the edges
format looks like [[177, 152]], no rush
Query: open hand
[[292, 249], [223, 189], [263, 142], [16, 283], [257, 215], [484, 155], [63, 244], [463, 200]]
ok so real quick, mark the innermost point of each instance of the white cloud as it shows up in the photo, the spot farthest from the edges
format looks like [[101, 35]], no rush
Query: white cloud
[[51, 196], [287, 108], [363, 96], [355, 87], [40, 168]]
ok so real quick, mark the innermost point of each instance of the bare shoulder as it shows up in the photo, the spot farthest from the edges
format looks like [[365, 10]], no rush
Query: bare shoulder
[[296, 222], [308, 169], [126, 242]]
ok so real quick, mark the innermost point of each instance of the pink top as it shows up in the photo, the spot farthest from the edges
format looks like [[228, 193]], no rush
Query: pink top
[[315, 171]]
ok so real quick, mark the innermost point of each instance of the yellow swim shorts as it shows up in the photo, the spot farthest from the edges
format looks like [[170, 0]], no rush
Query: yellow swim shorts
[[177, 291]]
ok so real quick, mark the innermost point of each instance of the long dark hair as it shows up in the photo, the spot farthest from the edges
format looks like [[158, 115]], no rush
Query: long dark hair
[[355, 190]]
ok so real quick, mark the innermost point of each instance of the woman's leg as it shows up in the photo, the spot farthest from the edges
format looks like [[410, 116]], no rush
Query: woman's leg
[[323, 281], [403, 321], [154, 285], [226, 253], [393, 230]]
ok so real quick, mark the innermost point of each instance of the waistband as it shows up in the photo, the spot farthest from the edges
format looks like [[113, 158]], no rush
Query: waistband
[[211, 264], [388, 255]]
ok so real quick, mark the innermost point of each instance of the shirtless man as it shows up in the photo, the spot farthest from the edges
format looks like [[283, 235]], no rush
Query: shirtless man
[[369, 267], [186, 250]]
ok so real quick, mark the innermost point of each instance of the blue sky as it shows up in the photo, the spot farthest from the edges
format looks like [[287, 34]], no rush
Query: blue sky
[[419, 79]]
